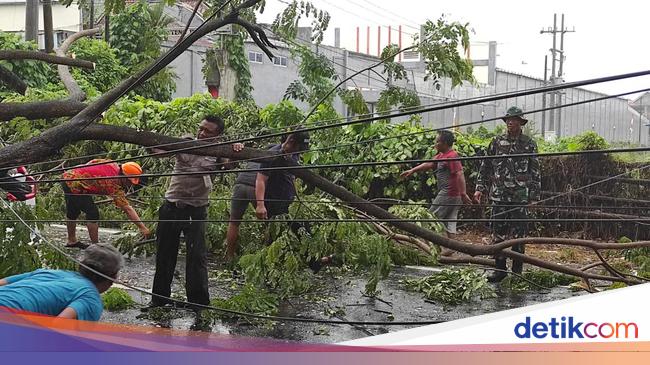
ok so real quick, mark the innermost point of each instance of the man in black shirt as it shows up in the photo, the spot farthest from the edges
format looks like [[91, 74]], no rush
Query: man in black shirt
[[271, 192]]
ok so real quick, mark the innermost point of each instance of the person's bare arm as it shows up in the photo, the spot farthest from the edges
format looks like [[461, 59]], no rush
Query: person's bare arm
[[3, 282], [462, 186], [260, 191], [421, 167], [135, 218], [68, 313]]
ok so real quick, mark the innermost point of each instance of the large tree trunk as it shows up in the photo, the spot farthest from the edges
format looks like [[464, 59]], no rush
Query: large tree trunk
[[40, 109]]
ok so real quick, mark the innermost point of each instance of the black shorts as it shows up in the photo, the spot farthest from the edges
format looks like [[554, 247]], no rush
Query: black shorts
[[243, 195], [75, 204]]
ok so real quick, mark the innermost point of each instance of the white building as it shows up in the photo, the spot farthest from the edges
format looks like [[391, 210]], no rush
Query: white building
[[66, 20]]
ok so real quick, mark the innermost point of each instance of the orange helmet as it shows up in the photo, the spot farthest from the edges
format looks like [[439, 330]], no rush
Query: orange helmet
[[132, 169]]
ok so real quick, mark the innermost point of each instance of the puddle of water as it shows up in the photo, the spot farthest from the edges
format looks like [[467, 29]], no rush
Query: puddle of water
[[343, 291]]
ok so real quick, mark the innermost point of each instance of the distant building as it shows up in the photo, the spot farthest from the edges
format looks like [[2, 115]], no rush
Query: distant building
[[65, 20], [616, 119]]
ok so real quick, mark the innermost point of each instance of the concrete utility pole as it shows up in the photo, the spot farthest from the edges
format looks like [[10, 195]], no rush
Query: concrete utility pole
[[91, 21], [544, 96], [556, 73], [48, 31], [31, 21]]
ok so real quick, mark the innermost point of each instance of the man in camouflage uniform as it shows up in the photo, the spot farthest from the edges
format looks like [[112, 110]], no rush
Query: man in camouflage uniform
[[509, 181]]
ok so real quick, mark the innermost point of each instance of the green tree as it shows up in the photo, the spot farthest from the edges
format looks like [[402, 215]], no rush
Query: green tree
[[136, 35]]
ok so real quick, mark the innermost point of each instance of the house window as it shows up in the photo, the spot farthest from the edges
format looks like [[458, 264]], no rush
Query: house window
[[255, 57], [280, 61]]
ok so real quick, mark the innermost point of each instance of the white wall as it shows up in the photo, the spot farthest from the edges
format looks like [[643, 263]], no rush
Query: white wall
[[12, 16]]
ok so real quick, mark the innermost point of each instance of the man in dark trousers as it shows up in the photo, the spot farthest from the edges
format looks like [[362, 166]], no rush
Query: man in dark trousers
[[186, 203], [512, 183]]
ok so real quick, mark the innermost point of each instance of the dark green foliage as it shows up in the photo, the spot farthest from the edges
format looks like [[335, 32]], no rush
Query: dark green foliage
[[136, 35], [249, 300], [536, 280], [18, 252], [108, 70]]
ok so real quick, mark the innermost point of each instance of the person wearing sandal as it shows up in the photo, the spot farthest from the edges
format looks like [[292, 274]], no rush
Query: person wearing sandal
[[78, 195]]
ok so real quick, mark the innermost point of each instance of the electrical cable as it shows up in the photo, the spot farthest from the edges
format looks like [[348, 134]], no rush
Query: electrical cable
[[353, 220], [398, 202], [209, 307], [356, 164], [504, 95]]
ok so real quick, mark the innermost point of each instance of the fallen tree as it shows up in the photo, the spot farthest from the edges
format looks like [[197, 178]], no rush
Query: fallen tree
[[41, 109], [101, 132], [81, 127]]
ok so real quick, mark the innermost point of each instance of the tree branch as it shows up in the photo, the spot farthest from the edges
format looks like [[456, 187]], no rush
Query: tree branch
[[258, 36], [20, 54], [40, 109], [50, 141], [12, 81], [76, 94]]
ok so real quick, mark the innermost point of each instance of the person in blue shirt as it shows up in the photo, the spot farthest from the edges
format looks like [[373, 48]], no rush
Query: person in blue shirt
[[61, 293]]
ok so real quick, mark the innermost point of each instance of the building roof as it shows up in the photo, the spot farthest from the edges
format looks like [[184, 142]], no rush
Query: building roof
[[642, 100]]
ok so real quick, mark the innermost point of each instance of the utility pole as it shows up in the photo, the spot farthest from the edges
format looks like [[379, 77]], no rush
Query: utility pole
[[31, 21], [91, 21], [556, 73], [48, 31], [544, 97], [107, 27]]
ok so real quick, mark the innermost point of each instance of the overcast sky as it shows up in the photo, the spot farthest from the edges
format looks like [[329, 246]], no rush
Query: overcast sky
[[611, 36]]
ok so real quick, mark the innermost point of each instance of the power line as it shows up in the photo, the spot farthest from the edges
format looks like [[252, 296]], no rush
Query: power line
[[58, 249], [359, 164], [374, 140], [421, 110], [393, 13], [334, 50], [398, 202], [353, 220], [362, 17], [208, 307]]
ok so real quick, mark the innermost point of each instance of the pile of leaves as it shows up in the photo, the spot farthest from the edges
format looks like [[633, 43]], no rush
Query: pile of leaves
[[452, 286], [536, 280], [250, 299], [116, 299]]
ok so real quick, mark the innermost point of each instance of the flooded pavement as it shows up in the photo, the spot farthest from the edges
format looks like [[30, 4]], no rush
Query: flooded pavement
[[339, 296]]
